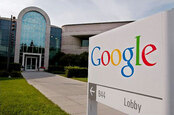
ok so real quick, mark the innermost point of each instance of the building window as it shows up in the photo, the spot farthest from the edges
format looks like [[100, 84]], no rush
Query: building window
[[33, 29], [85, 43], [33, 34]]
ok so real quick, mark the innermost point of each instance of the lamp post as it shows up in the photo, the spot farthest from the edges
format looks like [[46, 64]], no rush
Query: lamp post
[[11, 39], [56, 43]]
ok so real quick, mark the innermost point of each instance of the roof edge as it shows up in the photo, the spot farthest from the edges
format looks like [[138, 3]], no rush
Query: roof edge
[[98, 23]]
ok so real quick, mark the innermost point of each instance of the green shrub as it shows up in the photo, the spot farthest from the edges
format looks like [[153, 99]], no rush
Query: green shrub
[[75, 71], [69, 60], [16, 74], [3, 65], [4, 74], [15, 67], [61, 59], [52, 68], [83, 59], [55, 59], [58, 72]]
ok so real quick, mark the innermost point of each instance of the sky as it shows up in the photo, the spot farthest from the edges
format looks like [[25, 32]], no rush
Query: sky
[[63, 12]]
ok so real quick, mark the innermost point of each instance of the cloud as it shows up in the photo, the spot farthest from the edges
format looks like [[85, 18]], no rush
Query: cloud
[[143, 8], [63, 12], [158, 6], [13, 7], [84, 11], [113, 9]]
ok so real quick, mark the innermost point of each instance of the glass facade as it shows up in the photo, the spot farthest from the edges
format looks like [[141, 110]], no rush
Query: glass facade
[[4, 40], [33, 29], [32, 38], [55, 43], [33, 33], [32, 41]]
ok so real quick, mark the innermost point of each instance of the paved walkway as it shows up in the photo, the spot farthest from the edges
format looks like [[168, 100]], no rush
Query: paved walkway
[[70, 95]]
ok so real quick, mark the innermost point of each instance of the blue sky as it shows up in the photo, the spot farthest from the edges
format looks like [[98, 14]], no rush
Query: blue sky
[[62, 12]]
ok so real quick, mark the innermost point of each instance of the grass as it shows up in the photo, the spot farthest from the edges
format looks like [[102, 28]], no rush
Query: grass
[[17, 97], [62, 75], [79, 79]]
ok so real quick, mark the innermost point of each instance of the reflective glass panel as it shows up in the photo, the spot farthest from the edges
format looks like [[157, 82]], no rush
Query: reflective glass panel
[[33, 32]]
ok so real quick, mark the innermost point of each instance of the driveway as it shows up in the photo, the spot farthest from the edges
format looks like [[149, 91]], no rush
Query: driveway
[[68, 94]]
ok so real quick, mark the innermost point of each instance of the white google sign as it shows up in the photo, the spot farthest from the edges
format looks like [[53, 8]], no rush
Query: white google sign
[[131, 68]]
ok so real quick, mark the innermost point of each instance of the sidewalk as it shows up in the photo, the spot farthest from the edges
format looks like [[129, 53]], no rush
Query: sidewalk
[[70, 95]]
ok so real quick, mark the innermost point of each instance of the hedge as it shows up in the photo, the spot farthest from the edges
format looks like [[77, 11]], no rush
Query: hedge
[[3, 65], [61, 59], [75, 71], [53, 68], [16, 74], [13, 74], [15, 67], [58, 72], [4, 74], [69, 60]]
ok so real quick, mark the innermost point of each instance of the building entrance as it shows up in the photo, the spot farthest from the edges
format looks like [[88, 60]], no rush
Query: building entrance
[[31, 63]]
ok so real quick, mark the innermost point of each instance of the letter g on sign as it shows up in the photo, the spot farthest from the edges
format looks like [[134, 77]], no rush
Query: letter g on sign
[[92, 55]]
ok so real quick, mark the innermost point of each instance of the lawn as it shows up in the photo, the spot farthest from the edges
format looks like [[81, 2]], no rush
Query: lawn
[[17, 97], [80, 79]]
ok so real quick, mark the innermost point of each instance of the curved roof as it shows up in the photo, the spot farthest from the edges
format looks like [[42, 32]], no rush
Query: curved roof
[[36, 9]]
